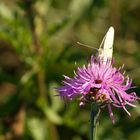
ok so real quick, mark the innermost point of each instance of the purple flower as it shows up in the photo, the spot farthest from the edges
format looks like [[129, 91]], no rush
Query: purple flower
[[101, 83]]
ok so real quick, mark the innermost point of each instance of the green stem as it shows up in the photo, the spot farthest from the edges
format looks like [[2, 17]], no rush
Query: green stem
[[94, 114]]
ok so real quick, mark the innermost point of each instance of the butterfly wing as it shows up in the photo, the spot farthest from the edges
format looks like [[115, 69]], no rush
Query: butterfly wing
[[106, 47]]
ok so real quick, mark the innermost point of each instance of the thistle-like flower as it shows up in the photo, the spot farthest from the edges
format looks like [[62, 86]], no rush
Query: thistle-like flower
[[99, 82]]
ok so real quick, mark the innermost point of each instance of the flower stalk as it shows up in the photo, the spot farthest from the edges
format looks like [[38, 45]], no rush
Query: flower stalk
[[94, 114]]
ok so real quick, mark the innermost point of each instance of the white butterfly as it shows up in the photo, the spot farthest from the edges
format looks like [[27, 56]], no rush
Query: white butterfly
[[105, 50]]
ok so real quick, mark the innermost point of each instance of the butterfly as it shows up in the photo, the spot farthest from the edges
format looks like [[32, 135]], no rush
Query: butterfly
[[105, 50], [106, 47]]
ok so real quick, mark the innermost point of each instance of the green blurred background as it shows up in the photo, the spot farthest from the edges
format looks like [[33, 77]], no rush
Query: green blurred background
[[38, 45]]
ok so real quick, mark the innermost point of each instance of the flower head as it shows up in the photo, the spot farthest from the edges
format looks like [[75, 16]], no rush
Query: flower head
[[99, 82]]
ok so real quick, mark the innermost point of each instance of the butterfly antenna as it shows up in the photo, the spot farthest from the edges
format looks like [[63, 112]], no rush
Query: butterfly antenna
[[87, 46]]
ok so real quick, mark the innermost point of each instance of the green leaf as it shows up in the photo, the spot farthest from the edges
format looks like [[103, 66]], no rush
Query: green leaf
[[49, 112], [37, 128]]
